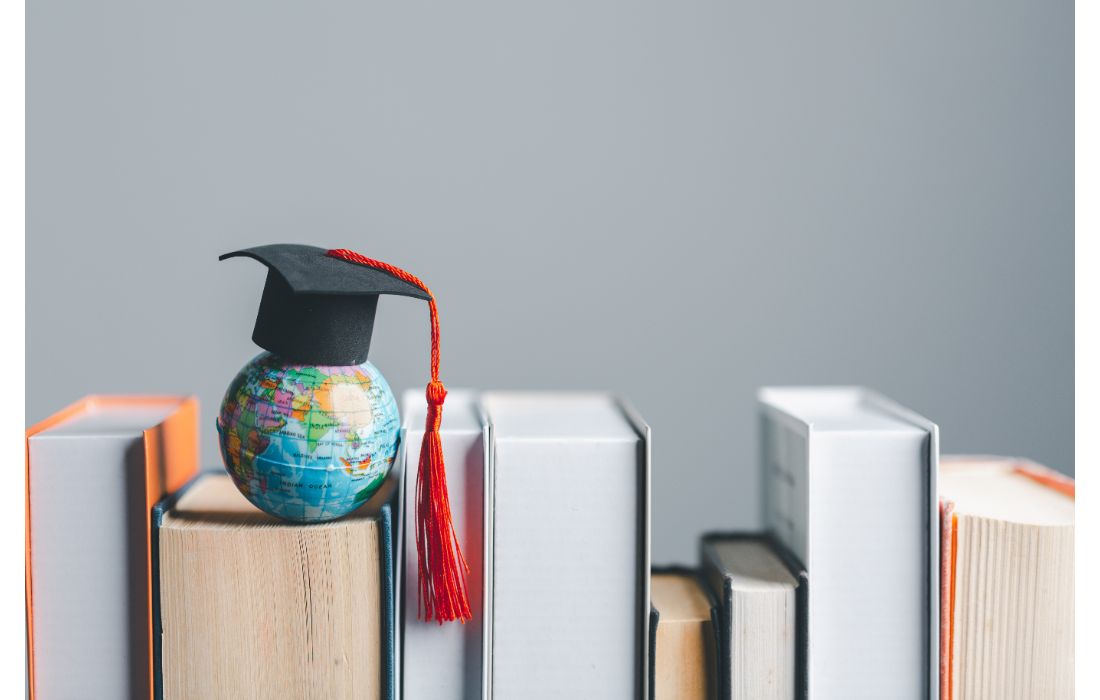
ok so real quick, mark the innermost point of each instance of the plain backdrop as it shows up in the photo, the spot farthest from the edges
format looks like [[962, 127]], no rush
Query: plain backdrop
[[676, 201]]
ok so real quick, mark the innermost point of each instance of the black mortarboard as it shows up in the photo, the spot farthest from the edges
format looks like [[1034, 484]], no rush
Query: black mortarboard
[[317, 309]]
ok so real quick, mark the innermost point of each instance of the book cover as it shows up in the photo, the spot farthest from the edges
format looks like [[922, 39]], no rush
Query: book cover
[[94, 523], [849, 486], [569, 601], [438, 662]]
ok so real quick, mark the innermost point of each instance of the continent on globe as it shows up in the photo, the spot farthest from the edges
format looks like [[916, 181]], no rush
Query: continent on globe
[[308, 443]]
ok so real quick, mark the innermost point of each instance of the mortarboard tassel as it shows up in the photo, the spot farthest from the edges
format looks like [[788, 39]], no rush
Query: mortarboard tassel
[[441, 568]]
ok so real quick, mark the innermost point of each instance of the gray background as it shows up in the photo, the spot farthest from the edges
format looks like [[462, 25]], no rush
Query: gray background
[[677, 201]]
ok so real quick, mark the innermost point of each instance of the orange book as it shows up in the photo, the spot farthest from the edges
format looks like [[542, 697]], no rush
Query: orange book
[[93, 473], [1006, 584]]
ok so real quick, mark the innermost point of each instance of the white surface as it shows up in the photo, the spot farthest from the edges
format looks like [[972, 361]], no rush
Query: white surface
[[112, 421], [444, 662], [570, 548], [565, 417], [834, 409], [850, 485], [87, 481]]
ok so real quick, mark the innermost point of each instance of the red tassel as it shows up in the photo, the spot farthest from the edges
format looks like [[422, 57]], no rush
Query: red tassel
[[441, 568]]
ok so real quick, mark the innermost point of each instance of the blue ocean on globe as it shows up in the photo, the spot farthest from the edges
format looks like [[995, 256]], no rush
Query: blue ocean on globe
[[308, 443]]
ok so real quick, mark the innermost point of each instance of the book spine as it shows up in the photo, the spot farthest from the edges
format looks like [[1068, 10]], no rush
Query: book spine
[[389, 666], [654, 620], [156, 518], [455, 653]]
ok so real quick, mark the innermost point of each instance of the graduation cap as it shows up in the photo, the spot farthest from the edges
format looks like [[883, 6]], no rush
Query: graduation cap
[[318, 308]]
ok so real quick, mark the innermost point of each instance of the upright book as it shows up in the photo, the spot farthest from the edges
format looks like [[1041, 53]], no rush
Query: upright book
[[762, 592], [683, 636], [94, 471], [255, 607], [441, 662], [850, 489], [1008, 533], [569, 545]]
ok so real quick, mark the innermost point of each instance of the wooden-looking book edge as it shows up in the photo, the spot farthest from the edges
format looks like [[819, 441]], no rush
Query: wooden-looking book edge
[[715, 622]]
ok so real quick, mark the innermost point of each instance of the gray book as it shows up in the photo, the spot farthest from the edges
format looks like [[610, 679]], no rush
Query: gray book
[[569, 580], [849, 488]]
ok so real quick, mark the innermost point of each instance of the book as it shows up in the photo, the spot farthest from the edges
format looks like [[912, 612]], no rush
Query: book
[[444, 661], [683, 633], [569, 546], [849, 481], [1008, 586], [253, 606], [762, 592], [94, 470]]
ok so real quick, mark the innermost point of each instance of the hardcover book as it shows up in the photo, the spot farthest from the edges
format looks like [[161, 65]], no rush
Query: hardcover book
[[94, 471], [683, 636], [762, 591], [569, 545], [850, 489], [438, 662], [253, 606]]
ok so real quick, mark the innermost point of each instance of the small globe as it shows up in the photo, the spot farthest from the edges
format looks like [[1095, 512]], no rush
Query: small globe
[[307, 443]]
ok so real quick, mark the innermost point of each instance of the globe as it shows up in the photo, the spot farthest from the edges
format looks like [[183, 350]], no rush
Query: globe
[[308, 443]]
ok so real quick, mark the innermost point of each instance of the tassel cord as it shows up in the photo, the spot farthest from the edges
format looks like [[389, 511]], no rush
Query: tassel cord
[[441, 568]]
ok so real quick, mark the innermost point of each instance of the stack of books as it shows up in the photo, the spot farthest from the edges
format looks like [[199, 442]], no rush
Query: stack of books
[[879, 570]]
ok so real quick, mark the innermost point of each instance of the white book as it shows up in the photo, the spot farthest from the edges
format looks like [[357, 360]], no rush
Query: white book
[[94, 470], [570, 547], [441, 662], [850, 488]]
